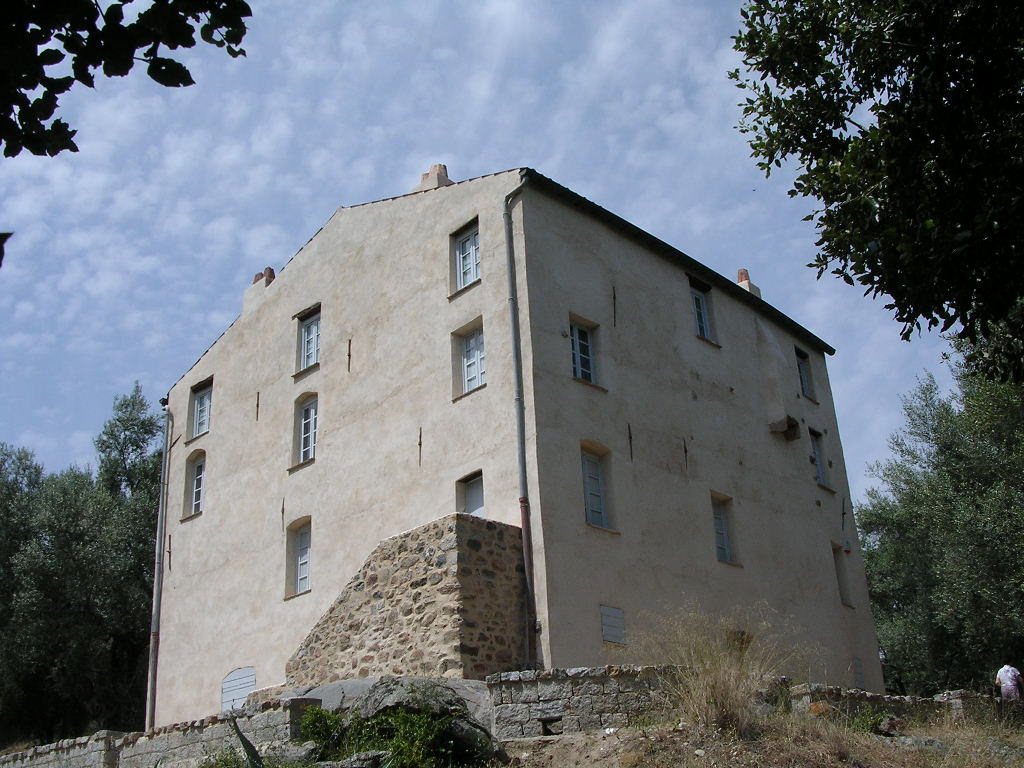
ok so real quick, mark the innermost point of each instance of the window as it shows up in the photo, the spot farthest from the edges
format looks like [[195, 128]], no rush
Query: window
[[721, 510], [583, 352], [202, 402], [838, 560], [613, 625], [299, 549], [701, 313], [467, 256], [857, 671], [474, 369], [235, 687], [302, 549], [818, 458], [310, 351], [470, 494], [594, 494], [803, 367], [195, 484], [307, 417]]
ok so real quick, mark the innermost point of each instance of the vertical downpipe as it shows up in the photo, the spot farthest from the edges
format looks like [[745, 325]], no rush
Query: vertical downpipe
[[158, 573], [524, 498]]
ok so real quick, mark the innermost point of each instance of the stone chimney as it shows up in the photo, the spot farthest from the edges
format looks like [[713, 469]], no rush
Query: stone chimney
[[436, 177], [256, 291], [743, 280]]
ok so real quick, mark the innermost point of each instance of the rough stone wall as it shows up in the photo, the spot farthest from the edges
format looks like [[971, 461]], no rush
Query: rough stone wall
[[441, 600], [97, 751], [554, 701], [820, 699]]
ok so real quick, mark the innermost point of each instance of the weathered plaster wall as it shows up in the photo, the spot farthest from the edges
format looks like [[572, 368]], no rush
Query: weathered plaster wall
[[441, 600], [677, 418]]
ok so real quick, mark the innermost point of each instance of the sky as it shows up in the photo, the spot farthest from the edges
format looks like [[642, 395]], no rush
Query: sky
[[131, 256]]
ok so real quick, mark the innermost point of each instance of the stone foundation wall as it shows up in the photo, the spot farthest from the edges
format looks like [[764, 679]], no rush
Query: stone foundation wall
[[441, 600], [97, 751], [554, 701]]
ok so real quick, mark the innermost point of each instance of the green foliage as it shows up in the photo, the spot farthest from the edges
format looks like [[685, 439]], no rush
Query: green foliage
[[415, 739], [942, 536], [76, 559], [906, 120], [868, 720], [81, 37]]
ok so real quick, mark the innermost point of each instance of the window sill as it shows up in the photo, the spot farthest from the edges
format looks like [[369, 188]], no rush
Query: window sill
[[597, 527], [826, 488], [848, 605], [463, 289], [306, 371], [186, 518], [590, 384], [297, 594], [300, 465], [706, 340], [731, 563], [805, 396], [195, 437], [467, 393]]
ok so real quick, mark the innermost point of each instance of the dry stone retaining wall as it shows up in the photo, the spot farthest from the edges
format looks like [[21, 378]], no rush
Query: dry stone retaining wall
[[97, 751], [821, 699], [441, 600], [554, 701]]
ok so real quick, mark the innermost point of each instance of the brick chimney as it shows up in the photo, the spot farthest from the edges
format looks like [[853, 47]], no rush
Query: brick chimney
[[436, 177], [743, 280]]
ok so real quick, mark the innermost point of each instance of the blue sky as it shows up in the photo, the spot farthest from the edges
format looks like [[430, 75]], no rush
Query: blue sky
[[131, 256]]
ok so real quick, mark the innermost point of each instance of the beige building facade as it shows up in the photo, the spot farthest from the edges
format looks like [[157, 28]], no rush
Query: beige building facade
[[679, 438]]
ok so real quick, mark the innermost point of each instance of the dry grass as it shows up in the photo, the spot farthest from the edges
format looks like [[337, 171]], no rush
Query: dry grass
[[722, 663]]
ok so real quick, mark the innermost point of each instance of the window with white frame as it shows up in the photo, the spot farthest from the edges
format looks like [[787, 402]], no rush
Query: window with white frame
[[474, 363], [197, 484], [299, 556], [306, 418], [470, 494], [583, 352], [803, 367], [202, 403], [595, 495], [702, 313], [467, 256], [310, 344], [613, 625], [818, 458], [303, 547], [721, 510]]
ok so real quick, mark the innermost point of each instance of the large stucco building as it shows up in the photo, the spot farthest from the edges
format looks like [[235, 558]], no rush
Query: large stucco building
[[677, 438]]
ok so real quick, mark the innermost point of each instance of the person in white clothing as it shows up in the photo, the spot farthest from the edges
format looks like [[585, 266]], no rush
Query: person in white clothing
[[1009, 681]]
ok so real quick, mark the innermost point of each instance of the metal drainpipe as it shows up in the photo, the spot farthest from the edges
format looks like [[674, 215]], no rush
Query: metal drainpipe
[[158, 574], [517, 358]]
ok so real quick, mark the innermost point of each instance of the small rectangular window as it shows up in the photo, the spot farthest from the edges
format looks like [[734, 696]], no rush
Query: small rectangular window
[[202, 402], [302, 550], [803, 367], [702, 314], [613, 625], [467, 257], [720, 508], [198, 469], [470, 494], [582, 344], [474, 368], [594, 491], [307, 430], [310, 342], [857, 668], [818, 458]]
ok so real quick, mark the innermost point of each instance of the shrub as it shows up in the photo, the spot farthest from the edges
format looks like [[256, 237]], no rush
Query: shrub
[[721, 664]]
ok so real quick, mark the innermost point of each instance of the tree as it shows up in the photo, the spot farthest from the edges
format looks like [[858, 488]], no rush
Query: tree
[[38, 36], [942, 537], [906, 121], [74, 640]]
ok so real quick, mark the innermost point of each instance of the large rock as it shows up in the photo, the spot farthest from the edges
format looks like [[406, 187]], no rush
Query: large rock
[[435, 698]]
